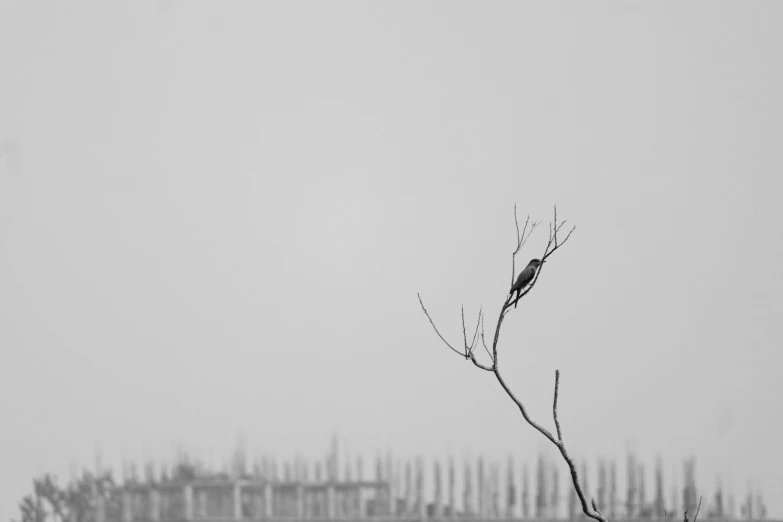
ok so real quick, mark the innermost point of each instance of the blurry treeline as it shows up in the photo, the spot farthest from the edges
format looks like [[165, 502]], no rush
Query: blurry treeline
[[477, 488]]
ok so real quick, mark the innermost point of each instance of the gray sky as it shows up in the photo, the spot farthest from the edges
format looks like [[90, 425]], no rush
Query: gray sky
[[220, 216]]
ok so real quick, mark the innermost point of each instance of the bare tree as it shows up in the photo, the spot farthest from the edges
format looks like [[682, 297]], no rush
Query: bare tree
[[468, 351]]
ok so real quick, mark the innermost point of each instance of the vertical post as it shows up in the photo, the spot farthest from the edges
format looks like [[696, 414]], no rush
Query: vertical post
[[555, 492], [300, 501], [495, 495], [408, 488], [268, 499], [467, 492], [202, 503], [187, 496], [154, 503], [390, 493], [510, 488], [127, 507], [438, 500], [390, 496], [452, 493], [237, 490], [480, 488], [525, 498], [330, 500], [421, 504]]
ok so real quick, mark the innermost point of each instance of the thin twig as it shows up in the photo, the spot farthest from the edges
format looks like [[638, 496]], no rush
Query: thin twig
[[521, 240], [551, 250], [484, 343], [475, 333], [464, 335], [697, 511], [436, 328], [554, 407]]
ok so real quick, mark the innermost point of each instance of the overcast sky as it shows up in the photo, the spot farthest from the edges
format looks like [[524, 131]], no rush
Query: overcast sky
[[215, 218]]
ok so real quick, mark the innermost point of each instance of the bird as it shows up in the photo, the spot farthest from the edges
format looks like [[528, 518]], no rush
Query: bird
[[525, 276]]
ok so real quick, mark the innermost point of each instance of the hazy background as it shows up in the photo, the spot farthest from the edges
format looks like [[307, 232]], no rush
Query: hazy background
[[217, 217]]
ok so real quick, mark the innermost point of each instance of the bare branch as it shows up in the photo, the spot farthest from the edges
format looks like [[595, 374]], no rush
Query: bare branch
[[471, 356], [479, 365], [464, 336], [554, 407], [595, 513], [484, 343], [548, 251], [598, 511], [553, 243], [475, 333], [521, 240], [469, 349], [436, 328], [697, 511], [521, 407], [480, 321]]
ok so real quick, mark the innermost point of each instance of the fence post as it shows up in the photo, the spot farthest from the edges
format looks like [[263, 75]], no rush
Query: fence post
[[237, 489], [452, 493], [300, 501], [437, 511], [187, 494], [330, 500], [421, 503], [127, 507], [268, 499], [154, 502]]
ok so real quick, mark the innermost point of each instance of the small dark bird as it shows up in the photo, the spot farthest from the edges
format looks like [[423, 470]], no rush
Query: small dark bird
[[525, 276]]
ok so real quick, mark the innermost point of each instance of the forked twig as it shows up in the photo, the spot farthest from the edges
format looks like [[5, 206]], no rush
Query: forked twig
[[436, 328], [468, 353], [521, 240]]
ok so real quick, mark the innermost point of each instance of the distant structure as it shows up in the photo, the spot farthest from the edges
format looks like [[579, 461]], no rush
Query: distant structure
[[190, 493], [247, 499]]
